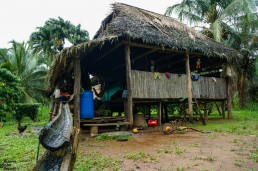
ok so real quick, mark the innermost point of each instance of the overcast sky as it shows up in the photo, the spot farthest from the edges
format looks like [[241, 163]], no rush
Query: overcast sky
[[19, 18]]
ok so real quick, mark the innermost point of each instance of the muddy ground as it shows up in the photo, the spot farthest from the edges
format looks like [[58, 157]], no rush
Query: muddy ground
[[151, 149]]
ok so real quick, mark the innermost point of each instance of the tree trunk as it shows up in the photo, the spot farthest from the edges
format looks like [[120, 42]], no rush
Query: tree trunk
[[229, 97], [77, 87], [242, 90]]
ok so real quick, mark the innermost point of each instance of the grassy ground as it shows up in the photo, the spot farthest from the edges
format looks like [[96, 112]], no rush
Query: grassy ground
[[18, 152], [244, 122]]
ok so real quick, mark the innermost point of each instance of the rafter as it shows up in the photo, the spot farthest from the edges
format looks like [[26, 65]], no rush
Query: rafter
[[108, 52]]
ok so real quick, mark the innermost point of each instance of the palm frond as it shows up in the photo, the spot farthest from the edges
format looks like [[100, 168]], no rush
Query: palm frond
[[216, 30]]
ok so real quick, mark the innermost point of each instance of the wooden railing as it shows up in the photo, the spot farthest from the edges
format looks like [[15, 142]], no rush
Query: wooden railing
[[149, 85]]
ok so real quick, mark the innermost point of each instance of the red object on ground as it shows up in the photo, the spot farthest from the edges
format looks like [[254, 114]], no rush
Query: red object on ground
[[64, 94], [152, 122]]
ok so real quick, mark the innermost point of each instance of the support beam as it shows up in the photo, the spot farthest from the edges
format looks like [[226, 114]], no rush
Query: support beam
[[183, 110], [166, 112], [159, 60], [229, 97], [160, 113], [223, 109], [213, 62], [189, 87], [129, 109], [149, 111], [136, 58], [205, 111], [77, 87], [144, 54], [217, 106], [160, 48]]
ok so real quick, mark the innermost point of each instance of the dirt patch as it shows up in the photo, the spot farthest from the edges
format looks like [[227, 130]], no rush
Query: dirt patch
[[152, 150]]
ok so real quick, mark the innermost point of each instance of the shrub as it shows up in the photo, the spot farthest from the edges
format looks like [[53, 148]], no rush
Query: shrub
[[26, 109], [10, 92]]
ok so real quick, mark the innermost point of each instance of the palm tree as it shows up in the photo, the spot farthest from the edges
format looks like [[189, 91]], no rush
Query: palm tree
[[50, 38], [216, 16], [244, 39], [20, 60], [232, 22]]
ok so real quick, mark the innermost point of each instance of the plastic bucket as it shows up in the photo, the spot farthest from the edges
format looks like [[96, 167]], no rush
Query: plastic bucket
[[86, 105]]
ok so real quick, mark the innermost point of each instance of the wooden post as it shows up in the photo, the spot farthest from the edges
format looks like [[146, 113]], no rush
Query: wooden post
[[205, 111], [77, 87], [229, 97], [183, 110], [145, 111], [223, 109], [189, 87], [129, 110], [166, 112], [160, 112], [149, 111]]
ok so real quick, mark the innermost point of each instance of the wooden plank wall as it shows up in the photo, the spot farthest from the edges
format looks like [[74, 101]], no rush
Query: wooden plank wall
[[144, 85]]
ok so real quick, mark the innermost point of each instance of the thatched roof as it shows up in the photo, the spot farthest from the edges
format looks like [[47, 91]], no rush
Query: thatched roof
[[132, 24], [152, 28]]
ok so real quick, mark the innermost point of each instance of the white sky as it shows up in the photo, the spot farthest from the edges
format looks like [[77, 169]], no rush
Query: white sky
[[19, 18]]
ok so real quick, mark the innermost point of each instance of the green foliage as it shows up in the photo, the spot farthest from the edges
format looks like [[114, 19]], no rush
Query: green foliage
[[254, 155], [182, 168], [30, 68], [223, 17], [231, 22], [244, 122], [26, 109], [96, 161], [253, 91], [104, 137], [10, 92], [141, 156], [166, 151], [179, 150], [50, 38], [210, 158], [18, 152], [238, 163]]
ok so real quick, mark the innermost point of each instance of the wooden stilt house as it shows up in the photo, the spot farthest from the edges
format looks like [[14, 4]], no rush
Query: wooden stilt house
[[153, 57]]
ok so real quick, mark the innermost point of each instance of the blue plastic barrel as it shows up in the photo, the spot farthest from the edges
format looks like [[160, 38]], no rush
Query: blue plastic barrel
[[86, 105]]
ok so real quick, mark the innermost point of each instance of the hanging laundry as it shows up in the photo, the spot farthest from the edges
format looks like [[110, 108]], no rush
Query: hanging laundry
[[168, 75], [156, 75]]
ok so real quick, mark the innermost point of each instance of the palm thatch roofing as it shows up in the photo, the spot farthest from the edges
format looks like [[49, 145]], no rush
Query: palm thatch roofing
[[128, 24]]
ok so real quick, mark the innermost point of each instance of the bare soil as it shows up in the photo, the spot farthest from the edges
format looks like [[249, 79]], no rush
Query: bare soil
[[193, 151]]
